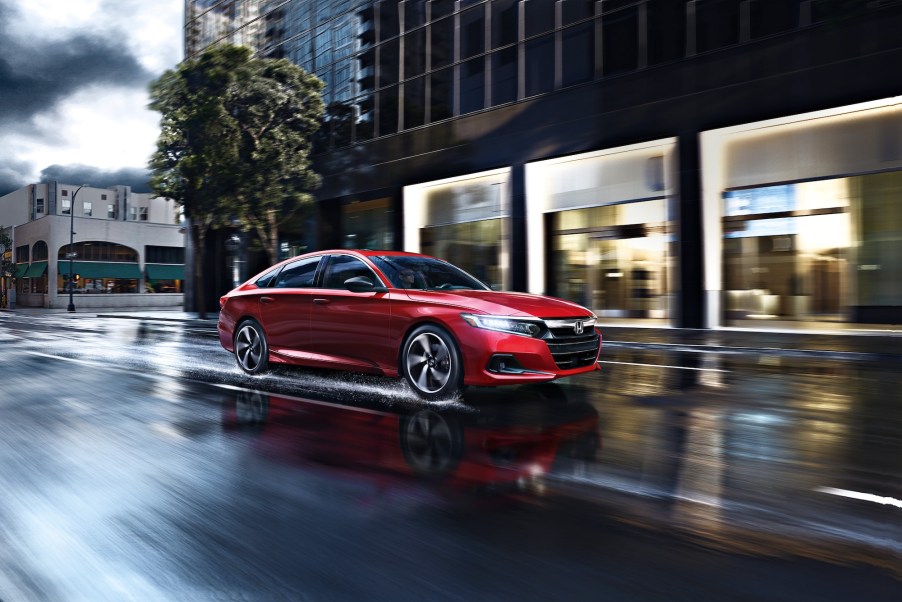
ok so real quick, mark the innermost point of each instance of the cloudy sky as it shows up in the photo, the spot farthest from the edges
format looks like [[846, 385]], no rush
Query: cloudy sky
[[73, 88]]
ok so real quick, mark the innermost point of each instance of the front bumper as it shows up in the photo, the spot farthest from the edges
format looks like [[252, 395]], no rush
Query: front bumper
[[494, 358]]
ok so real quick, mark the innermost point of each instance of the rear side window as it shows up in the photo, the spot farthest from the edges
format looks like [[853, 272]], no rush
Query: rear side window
[[266, 280], [299, 274]]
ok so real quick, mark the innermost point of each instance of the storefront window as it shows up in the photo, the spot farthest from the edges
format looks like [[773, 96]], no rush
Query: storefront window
[[472, 246], [613, 259], [462, 220], [820, 251]]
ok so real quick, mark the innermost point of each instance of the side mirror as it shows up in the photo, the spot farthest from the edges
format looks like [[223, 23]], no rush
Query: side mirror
[[362, 284]]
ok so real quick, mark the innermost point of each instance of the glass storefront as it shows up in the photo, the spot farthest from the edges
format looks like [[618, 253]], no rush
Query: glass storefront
[[612, 259], [472, 246], [821, 252], [462, 220]]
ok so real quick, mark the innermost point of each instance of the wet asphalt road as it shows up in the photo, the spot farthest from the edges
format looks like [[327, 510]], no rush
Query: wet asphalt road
[[138, 463]]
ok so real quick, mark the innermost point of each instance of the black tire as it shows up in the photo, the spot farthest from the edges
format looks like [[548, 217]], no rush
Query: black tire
[[251, 348], [430, 362]]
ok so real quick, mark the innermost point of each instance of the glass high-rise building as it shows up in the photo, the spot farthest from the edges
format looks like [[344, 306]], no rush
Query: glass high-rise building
[[690, 163]]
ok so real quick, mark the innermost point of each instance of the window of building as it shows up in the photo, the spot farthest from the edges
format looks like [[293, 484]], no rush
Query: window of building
[[388, 110], [716, 24], [65, 192], [539, 16], [441, 94], [768, 17], [505, 21], [504, 75], [440, 8], [619, 37], [442, 42], [472, 32], [98, 250], [66, 206], [366, 113], [133, 214], [577, 10], [472, 85], [39, 251], [87, 208], [39, 206], [23, 254], [388, 63], [540, 65], [414, 14], [414, 52], [388, 19], [142, 214], [578, 46], [415, 102], [666, 37], [111, 211], [158, 254], [102, 197]]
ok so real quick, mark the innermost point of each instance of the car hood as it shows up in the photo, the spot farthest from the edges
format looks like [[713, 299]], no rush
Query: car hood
[[502, 303]]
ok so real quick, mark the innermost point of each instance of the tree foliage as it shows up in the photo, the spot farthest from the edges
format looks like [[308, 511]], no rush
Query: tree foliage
[[234, 144]]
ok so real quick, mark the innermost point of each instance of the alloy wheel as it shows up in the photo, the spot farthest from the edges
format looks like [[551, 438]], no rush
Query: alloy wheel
[[250, 348], [429, 362]]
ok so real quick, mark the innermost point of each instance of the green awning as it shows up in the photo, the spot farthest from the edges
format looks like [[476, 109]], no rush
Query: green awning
[[21, 268], [164, 271], [36, 270], [98, 269]]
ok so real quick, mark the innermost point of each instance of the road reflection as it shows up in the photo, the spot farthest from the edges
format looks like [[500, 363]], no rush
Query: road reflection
[[488, 443]]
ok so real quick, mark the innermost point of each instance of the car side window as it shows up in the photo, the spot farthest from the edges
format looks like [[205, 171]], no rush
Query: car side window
[[267, 279], [342, 267], [299, 274]]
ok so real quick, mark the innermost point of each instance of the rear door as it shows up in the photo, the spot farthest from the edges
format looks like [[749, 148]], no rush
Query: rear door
[[351, 328], [285, 305]]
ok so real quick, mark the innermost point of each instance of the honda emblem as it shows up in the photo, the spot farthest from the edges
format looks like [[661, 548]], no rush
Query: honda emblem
[[578, 328]]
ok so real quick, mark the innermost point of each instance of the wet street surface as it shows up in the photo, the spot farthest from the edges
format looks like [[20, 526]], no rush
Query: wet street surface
[[137, 462]]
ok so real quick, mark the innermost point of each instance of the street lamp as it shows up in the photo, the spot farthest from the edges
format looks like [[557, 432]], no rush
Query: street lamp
[[71, 253]]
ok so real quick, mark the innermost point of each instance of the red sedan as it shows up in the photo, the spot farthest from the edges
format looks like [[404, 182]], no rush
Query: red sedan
[[394, 313]]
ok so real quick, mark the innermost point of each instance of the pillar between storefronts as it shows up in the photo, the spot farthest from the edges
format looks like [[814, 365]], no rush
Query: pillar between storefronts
[[689, 252], [519, 258]]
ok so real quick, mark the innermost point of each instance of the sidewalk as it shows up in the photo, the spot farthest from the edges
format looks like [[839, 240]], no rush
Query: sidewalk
[[858, 344]]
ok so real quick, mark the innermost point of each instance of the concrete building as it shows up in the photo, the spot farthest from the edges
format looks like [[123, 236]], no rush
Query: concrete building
[[686, 163], [128, 247]]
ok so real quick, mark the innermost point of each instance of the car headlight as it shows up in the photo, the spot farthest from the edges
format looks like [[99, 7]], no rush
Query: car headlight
[[527, 327]]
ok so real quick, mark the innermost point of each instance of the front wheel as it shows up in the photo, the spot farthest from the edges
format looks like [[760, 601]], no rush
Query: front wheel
[[430, 362], [251, 348]]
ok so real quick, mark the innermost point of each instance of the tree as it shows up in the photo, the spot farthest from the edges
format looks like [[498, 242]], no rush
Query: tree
[[234, 144], [278, 109]]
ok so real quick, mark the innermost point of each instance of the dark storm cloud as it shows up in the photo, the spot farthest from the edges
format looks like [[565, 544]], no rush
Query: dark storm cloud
[[136, 177], [13, 174], [35, 74]]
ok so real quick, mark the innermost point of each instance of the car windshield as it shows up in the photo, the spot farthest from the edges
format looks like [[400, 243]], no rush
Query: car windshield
[[425, 273]]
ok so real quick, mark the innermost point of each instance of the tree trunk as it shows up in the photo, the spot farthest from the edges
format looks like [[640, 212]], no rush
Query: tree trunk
[[199, 233], [273, 242]]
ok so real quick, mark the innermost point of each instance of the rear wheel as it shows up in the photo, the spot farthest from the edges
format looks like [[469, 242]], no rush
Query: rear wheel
[[251, 348], [430, 362]]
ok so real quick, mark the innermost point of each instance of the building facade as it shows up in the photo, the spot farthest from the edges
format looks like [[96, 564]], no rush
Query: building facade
[[127, 250], [688, 163]]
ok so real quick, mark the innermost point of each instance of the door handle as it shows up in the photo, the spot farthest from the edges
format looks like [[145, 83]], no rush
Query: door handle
[[321, 301], [266, 299]]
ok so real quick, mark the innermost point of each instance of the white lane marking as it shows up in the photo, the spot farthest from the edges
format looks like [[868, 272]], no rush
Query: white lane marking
[[865, 497], [664, 366]]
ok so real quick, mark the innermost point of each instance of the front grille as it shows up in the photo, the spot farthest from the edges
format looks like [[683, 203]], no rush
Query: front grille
[[571, 350]]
